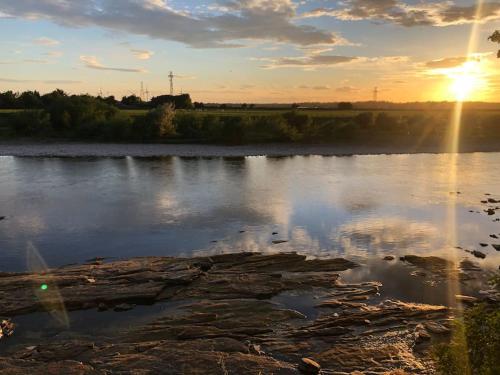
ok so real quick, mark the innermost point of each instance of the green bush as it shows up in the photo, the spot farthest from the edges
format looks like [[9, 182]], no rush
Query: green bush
[[475, 345], [31, 123]]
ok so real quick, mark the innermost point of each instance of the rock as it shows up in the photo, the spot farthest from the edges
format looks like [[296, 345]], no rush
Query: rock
[[436, 328], [484, 201], [478, 254], [123, 307], [2, 218], [418, 273], [468, 265], [490, 211], [6, 328], [496, 247], [389, 257], [466, 299], [242, 231], [421, 334], [431, 263], [494, 236], [276, 242], [275, 233], [309, 367], [102, 307], [483, 244], [491, 200]]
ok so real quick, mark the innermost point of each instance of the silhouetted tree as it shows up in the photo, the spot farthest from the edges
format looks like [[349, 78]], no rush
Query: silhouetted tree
[[131, 100], [30, 100], [223, 106], [8, 100], [199, 105], [495, 38], [244, 106], [182, 101], [345, 106]]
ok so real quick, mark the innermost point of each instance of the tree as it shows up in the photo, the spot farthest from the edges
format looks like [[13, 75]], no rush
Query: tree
[[345, 106], [8, 100], [495, 38], [161, 119], [131, 100], [30, 100]]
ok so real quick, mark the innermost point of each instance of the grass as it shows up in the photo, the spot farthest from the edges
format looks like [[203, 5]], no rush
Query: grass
[[311, 112]]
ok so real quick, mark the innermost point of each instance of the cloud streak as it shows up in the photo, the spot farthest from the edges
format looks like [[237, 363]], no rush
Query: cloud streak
[[92, 62], [142, 54], [444, 13], [269, 20]]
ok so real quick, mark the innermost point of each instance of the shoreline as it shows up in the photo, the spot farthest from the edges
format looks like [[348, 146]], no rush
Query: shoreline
[[76, 149]]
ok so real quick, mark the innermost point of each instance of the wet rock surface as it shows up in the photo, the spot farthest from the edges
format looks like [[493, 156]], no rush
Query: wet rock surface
[[225, 319]]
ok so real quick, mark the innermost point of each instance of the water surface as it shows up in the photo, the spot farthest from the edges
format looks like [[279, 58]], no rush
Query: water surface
[[361, 208]]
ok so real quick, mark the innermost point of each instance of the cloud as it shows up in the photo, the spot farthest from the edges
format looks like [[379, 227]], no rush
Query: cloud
[[269, 20], [321, 87], [50, 82], [35, 61], [44, 41], [142, 54], [53, 53], [91, 62], [346, 89], [444, 13], [449, 62], [307, 62]]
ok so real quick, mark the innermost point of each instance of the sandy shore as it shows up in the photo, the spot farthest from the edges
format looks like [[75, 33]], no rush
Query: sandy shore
[[149, 150]]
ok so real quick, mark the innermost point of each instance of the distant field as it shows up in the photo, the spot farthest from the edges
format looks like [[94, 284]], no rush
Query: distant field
[[311, 112]]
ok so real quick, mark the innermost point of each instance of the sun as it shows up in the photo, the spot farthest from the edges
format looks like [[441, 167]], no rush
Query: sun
[[466, 81]]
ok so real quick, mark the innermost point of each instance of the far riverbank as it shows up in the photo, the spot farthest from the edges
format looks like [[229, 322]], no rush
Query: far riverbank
[[69, 149]]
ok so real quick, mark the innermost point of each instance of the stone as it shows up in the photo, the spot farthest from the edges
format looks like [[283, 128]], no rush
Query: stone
[[478, 254], [123, 307], [2, 218], [483, 244], [309, 367], [389, 257], [491, 200], [490, 211], [496, 247], [276, 242], [494, 236], [6, 328], [466, 299]]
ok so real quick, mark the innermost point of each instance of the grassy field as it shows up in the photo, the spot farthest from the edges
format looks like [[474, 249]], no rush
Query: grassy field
[[311, 112]]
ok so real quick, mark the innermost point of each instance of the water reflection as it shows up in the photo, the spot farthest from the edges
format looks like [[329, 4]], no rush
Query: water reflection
[[362, 207]]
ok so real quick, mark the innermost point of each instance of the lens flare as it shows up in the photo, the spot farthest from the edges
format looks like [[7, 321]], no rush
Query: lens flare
[[45, 288]]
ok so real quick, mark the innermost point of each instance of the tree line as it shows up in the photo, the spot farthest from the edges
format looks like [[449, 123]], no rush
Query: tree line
[[83, 117], [34, 100]]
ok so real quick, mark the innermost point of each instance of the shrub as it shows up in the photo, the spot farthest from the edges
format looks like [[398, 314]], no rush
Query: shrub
[[475, 344], [160, 122], [189, 125], [31, 123]]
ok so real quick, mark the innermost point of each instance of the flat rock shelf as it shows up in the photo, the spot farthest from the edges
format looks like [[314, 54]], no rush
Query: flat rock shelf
[[227, 319]]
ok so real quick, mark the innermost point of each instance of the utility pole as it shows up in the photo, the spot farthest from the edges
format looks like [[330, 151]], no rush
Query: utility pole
[[375, 94], [171, 77]]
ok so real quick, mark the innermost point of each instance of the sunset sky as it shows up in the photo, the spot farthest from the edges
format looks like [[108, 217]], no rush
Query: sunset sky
[[253, 50]]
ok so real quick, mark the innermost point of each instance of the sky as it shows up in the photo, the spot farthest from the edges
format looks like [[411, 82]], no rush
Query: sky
[[254, 51]]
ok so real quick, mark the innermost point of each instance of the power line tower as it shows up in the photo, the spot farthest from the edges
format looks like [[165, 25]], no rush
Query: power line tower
[[171, 77], [142, 91], [375, 94], [147, 94]]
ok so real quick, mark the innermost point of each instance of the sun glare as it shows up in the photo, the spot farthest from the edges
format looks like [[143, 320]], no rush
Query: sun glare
[[466, 81]]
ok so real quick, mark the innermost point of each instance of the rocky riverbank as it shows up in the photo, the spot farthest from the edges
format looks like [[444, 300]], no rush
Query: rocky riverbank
[[227, 319]]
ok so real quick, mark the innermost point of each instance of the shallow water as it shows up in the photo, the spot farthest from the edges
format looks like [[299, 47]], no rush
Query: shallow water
[[73, 209], [360, 207]]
